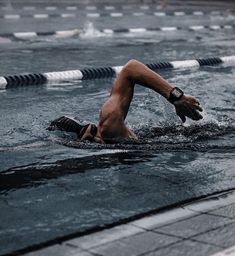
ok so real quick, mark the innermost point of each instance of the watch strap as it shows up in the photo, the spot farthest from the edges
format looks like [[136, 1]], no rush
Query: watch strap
[[175, 94]]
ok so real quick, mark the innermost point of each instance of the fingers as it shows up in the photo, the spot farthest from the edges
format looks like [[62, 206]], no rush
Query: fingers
[[188, 107], [198, 116], [182, 117], [195, 108], [198, 108], [195, 115], [196, 101]]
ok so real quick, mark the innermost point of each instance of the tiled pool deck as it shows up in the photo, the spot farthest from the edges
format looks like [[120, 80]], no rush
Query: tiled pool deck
[[204, 227]]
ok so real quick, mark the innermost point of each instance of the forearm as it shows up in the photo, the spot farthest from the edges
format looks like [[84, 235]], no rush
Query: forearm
[[140, 74], [135, 72], [186, 106]]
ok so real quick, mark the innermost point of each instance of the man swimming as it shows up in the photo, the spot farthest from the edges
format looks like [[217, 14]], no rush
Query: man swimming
[[111, 127]]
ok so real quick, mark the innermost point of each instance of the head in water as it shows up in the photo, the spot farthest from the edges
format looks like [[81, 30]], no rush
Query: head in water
[[84, 131]]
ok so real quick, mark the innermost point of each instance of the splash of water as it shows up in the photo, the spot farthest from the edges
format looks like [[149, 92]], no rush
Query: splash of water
[[191, 133], [89, 31], [200, 137], [213, 135]]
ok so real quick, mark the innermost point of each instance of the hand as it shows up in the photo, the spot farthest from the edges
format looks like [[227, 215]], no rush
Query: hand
[[188, 106]]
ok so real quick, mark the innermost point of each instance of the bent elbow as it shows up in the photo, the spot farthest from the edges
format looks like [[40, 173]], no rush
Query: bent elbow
[[130, 68]]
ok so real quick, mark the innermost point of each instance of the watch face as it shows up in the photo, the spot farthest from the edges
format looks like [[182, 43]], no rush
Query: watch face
[[177, 92]]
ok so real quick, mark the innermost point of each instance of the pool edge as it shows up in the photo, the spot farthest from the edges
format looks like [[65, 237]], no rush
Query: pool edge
[[88, 244]]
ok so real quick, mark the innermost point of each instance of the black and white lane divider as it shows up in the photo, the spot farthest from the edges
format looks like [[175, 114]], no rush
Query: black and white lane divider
[[109, 14], [74, 32], [130, 6], [7, 82], [31, 35]]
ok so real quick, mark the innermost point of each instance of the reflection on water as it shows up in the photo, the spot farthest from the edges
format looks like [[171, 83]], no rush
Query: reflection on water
[[37, 174]]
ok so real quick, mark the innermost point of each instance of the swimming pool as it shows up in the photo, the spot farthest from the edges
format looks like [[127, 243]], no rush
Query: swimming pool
[[51, 186]]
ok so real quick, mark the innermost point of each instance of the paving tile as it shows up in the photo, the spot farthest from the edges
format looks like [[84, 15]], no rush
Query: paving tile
[[163, 218], [186, 248], [105, 236], [227, 211], [134, 245], [224, 236], [194, 225], [59, 250]]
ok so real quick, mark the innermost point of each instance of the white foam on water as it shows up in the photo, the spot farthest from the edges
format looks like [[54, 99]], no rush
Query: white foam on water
[[89, 31]]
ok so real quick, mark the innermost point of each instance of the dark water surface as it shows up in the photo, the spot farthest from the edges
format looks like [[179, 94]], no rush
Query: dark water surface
[[51, 185]]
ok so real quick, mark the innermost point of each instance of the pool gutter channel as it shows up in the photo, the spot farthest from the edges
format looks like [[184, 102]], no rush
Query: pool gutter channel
[[154, 218], [10, 81]]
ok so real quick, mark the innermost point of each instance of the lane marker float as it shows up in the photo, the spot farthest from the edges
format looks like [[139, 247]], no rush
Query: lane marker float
[[7, 82]]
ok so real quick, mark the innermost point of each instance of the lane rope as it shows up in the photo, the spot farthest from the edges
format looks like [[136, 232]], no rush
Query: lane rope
[[111, 14], [77, 31], [10, 81], [113, 7]]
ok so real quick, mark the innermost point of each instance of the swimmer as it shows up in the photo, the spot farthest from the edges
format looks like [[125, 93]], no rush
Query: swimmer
[[111, 127]]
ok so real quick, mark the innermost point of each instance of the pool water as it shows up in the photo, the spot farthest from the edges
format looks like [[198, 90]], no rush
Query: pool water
[[52, 186]]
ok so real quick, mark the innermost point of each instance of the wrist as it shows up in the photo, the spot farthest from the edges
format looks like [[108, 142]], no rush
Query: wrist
[[175, 95]]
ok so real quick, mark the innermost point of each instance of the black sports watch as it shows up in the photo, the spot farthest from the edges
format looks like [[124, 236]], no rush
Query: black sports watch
[[175, 94]]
